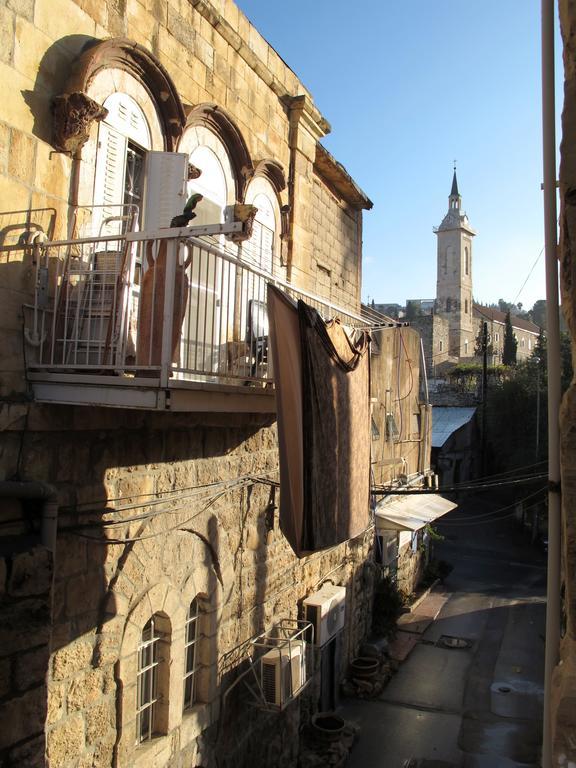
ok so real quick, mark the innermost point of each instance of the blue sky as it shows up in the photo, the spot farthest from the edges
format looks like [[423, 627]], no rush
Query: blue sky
[[408, 87]]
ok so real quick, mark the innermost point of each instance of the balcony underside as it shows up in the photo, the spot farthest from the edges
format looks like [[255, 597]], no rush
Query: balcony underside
[[147, 394]]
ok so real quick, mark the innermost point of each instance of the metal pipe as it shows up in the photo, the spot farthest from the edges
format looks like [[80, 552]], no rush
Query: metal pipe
[[553, 358]]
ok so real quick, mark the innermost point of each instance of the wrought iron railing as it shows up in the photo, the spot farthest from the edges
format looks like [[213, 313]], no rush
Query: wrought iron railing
[[168, 305]]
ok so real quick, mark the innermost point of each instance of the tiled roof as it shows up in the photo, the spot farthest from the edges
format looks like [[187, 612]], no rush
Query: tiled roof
[[489, 313]]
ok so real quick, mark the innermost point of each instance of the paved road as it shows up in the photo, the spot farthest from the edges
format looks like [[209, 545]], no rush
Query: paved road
[[479, 706]]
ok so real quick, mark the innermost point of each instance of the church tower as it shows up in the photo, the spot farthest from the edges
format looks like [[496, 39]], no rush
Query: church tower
[[454, 276]]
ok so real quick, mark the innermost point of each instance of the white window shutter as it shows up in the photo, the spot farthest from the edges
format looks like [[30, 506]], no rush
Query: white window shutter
[[109, 179]]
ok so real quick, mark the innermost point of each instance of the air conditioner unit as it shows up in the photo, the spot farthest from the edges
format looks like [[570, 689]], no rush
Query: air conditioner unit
[[283, 672], [165, 177], [326, 610]]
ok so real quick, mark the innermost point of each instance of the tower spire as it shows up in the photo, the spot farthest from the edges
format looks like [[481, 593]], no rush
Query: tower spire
[[454, 191], [454, 200]]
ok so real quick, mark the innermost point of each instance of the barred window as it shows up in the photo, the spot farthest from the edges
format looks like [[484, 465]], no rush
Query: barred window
[[148, 685], [191, 648]]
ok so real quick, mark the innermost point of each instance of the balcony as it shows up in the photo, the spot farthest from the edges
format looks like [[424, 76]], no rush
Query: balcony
[[167, 320]]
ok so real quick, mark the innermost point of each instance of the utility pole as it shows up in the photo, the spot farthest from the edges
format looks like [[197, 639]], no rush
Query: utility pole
[[484, 393]]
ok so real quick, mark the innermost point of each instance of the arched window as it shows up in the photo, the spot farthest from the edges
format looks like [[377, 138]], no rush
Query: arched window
[[263, 247], [466, 261], [111, 171], [216, 182], [191, 653], [465, 306], [152, 684], [448, 305], [123, 139]]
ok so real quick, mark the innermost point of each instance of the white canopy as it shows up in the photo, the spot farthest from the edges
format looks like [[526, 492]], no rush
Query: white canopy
[[411, 512]]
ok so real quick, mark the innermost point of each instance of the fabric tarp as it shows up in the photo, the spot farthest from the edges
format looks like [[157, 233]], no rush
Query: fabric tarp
[[323, 403], [411, 512]]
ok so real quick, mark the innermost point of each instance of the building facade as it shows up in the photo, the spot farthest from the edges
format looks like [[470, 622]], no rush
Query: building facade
[[451, 326], [138, 445], [454, 276]]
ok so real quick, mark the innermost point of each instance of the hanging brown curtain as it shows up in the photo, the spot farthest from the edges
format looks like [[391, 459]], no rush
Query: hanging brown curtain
[[323, 403]]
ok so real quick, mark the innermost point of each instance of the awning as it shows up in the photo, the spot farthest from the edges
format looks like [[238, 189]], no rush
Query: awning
[[411, 512], [445, 421]]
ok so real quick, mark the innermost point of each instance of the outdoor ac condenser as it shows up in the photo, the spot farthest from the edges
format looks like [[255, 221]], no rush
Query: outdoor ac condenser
[[283, 672], [165, 177], [326, 611]]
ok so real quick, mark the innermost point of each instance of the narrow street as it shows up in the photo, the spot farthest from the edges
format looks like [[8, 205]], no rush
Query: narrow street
[[474, 701]]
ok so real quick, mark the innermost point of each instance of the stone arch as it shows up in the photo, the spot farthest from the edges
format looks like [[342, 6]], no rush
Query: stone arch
[[216, 120], [126, 55], [163, 601]]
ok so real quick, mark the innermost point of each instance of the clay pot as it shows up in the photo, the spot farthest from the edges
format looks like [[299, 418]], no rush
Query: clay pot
[[364, 667], [327, 726]]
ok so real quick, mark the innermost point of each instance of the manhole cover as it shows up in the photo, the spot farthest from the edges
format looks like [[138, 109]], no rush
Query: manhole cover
[[504, 689], [447, 641]]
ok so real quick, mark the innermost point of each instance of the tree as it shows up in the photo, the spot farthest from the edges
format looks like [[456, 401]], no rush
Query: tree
[[510, 343], [539, 353], [538, 313]]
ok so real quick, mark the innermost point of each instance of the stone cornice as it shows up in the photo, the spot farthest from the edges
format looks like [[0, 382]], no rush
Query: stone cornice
[[334, 173], [320, 125]]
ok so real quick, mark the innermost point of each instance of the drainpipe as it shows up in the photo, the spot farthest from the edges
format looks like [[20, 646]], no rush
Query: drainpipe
[[36, 490], [554, 389]]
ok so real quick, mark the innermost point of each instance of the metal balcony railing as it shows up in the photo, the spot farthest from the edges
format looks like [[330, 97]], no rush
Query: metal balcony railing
[[170, 306]]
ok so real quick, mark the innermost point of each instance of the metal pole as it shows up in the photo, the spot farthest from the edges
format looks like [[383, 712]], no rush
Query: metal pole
[[553, 357], [537, 408], [484, 393]]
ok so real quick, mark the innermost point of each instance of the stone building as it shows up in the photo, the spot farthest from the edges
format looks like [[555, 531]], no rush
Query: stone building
[[564, 690], [138, 450], [450, 326]]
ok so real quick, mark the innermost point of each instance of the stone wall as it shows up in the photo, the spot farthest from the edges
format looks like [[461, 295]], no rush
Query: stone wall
[[25, 607], [214, 56], [111, 468], [397, 362], [435, 333], [564, 694], [156, 509], [336, 245]]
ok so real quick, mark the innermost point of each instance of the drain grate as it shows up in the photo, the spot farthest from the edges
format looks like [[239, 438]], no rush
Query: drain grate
[[454, 643]]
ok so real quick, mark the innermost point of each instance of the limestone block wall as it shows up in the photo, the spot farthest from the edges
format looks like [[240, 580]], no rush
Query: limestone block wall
[[336, 247], [141, 533], [214, 56], [564, 694], [156, 509], [395, 377], [410, 569], [25, 605]]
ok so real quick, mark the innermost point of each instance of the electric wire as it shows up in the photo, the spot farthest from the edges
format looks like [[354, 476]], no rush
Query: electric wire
[[484, 517], [404, 491], [180, 494], [529, 274]]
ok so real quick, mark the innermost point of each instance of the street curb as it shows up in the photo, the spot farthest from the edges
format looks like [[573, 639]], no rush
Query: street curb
[[423, 596]]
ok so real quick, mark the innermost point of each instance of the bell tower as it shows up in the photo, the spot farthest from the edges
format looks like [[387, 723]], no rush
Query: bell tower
[[454, 275]]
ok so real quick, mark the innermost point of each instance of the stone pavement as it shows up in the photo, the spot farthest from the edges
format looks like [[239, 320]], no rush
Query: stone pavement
[[468, 689]]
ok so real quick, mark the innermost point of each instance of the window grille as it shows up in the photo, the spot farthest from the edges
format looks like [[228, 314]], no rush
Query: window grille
[[192, 637], [147, 682], [392, 432]]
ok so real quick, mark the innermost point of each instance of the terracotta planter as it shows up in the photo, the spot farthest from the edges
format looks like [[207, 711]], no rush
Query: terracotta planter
[[327, 726], [364, 667]]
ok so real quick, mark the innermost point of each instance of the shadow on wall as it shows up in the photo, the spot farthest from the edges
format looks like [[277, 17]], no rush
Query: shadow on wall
[[131, 475], [53, 73]]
